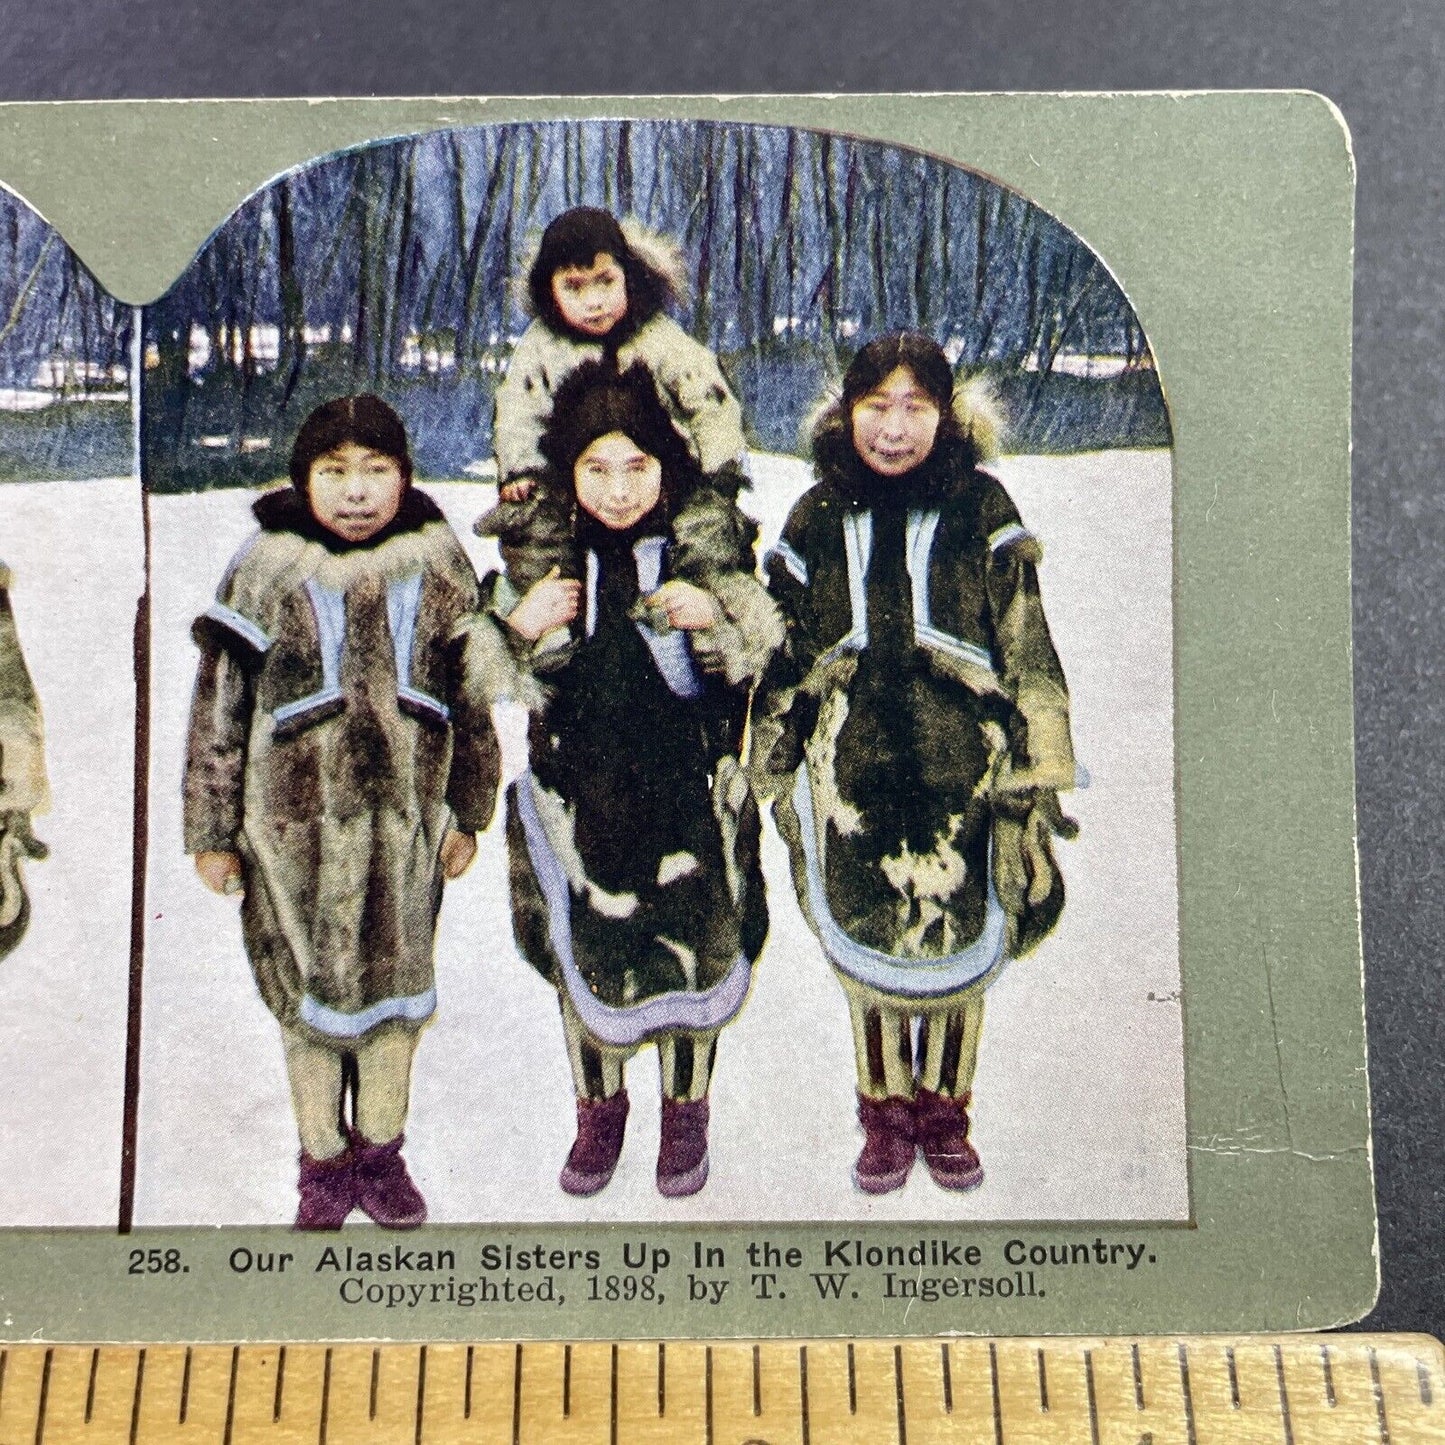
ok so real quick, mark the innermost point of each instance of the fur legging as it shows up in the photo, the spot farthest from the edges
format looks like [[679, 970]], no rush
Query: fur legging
[[903, 1045]]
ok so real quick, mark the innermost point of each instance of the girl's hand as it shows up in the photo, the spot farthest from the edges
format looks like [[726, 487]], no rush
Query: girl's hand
[[517, 490], [552, 602], [220, 872], [458, 850], [688, 607]]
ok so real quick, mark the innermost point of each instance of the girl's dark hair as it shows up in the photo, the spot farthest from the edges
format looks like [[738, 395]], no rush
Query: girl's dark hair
[[879, 359], [365, 420], [577, 238], [595, 401]]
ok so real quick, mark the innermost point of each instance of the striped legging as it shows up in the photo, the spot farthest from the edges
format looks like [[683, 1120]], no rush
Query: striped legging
[[903, 1045], [686, 1060]]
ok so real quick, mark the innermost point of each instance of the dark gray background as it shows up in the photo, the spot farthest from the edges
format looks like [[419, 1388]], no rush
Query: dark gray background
[[1383, 63]]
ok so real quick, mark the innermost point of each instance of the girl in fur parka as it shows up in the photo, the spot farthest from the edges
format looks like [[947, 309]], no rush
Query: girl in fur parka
[[23, 788], [636, 886], [336, 775], [923, 709], [598, 291]]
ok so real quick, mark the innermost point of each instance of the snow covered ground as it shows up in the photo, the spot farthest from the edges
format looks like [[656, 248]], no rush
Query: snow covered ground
[[1080, 1090], [76, 551]]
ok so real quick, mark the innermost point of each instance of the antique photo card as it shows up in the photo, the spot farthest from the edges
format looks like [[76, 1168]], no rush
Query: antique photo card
[[71, 578], [740, 729], [401, 270]]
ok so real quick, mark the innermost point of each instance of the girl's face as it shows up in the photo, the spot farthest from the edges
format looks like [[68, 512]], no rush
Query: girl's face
[[617, 482], [592, 299], [895, 424], [354, 491]]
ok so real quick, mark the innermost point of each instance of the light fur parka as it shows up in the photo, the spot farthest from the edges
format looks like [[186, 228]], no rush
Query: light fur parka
[[23, 786], [332, 744], [690, 383]]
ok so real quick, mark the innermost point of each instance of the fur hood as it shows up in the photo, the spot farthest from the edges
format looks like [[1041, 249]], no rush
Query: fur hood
[[286, 553], [976, 419], [660, 255]]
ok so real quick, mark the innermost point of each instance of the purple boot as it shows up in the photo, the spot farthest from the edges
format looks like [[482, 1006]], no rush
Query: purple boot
[[682, 1152], [598, 1145], [888, 1144], [943, 1133], [384, 1189], [328, 1191]]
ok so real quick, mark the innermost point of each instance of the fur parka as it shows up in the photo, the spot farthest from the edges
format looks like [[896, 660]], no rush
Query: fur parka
[[23, 786], [634, 838], [900, 762], [690, 383], [332, 743], [24, 791]]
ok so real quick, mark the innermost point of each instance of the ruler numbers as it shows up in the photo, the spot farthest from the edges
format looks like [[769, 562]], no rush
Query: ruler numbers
[[1340, 1390]]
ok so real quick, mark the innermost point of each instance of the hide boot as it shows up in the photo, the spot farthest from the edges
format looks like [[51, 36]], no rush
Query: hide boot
[[601, 1124], [943, 1135], [328, 1191], [682, 1153], [888, 1144], [384, 1189]]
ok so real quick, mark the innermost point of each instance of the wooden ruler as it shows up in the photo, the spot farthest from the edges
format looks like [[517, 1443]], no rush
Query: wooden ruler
[[1293, 1390]]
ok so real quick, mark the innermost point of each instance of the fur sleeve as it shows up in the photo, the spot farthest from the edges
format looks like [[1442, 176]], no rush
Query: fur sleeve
[[23, 785], [524, 402], [1031, 669], [697, 392], [214, 786]]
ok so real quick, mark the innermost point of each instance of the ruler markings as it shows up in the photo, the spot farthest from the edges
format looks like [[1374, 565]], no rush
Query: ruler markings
[[898, 1387], [4, 1360], [1329, 1375], [140, 1375], [517, 1395], [707, 1393], [1284, 1411], [280, 1384], [1380, 1415], [612, 1399], [1290, 1390], [1138, 1378], [1093, 1397], [44, 1398], [231, 1397], [803, 1393], [566, 1381], [997, 1403], [1189, 1428], [185, 1388], [325, 1399], [90, 1386]]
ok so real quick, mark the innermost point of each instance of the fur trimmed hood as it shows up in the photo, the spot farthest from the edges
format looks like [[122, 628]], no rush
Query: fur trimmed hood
[[661, 256], [282, 556], [976, 419]]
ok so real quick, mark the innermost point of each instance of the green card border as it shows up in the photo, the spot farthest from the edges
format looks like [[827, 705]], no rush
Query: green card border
[[1228, 219]]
